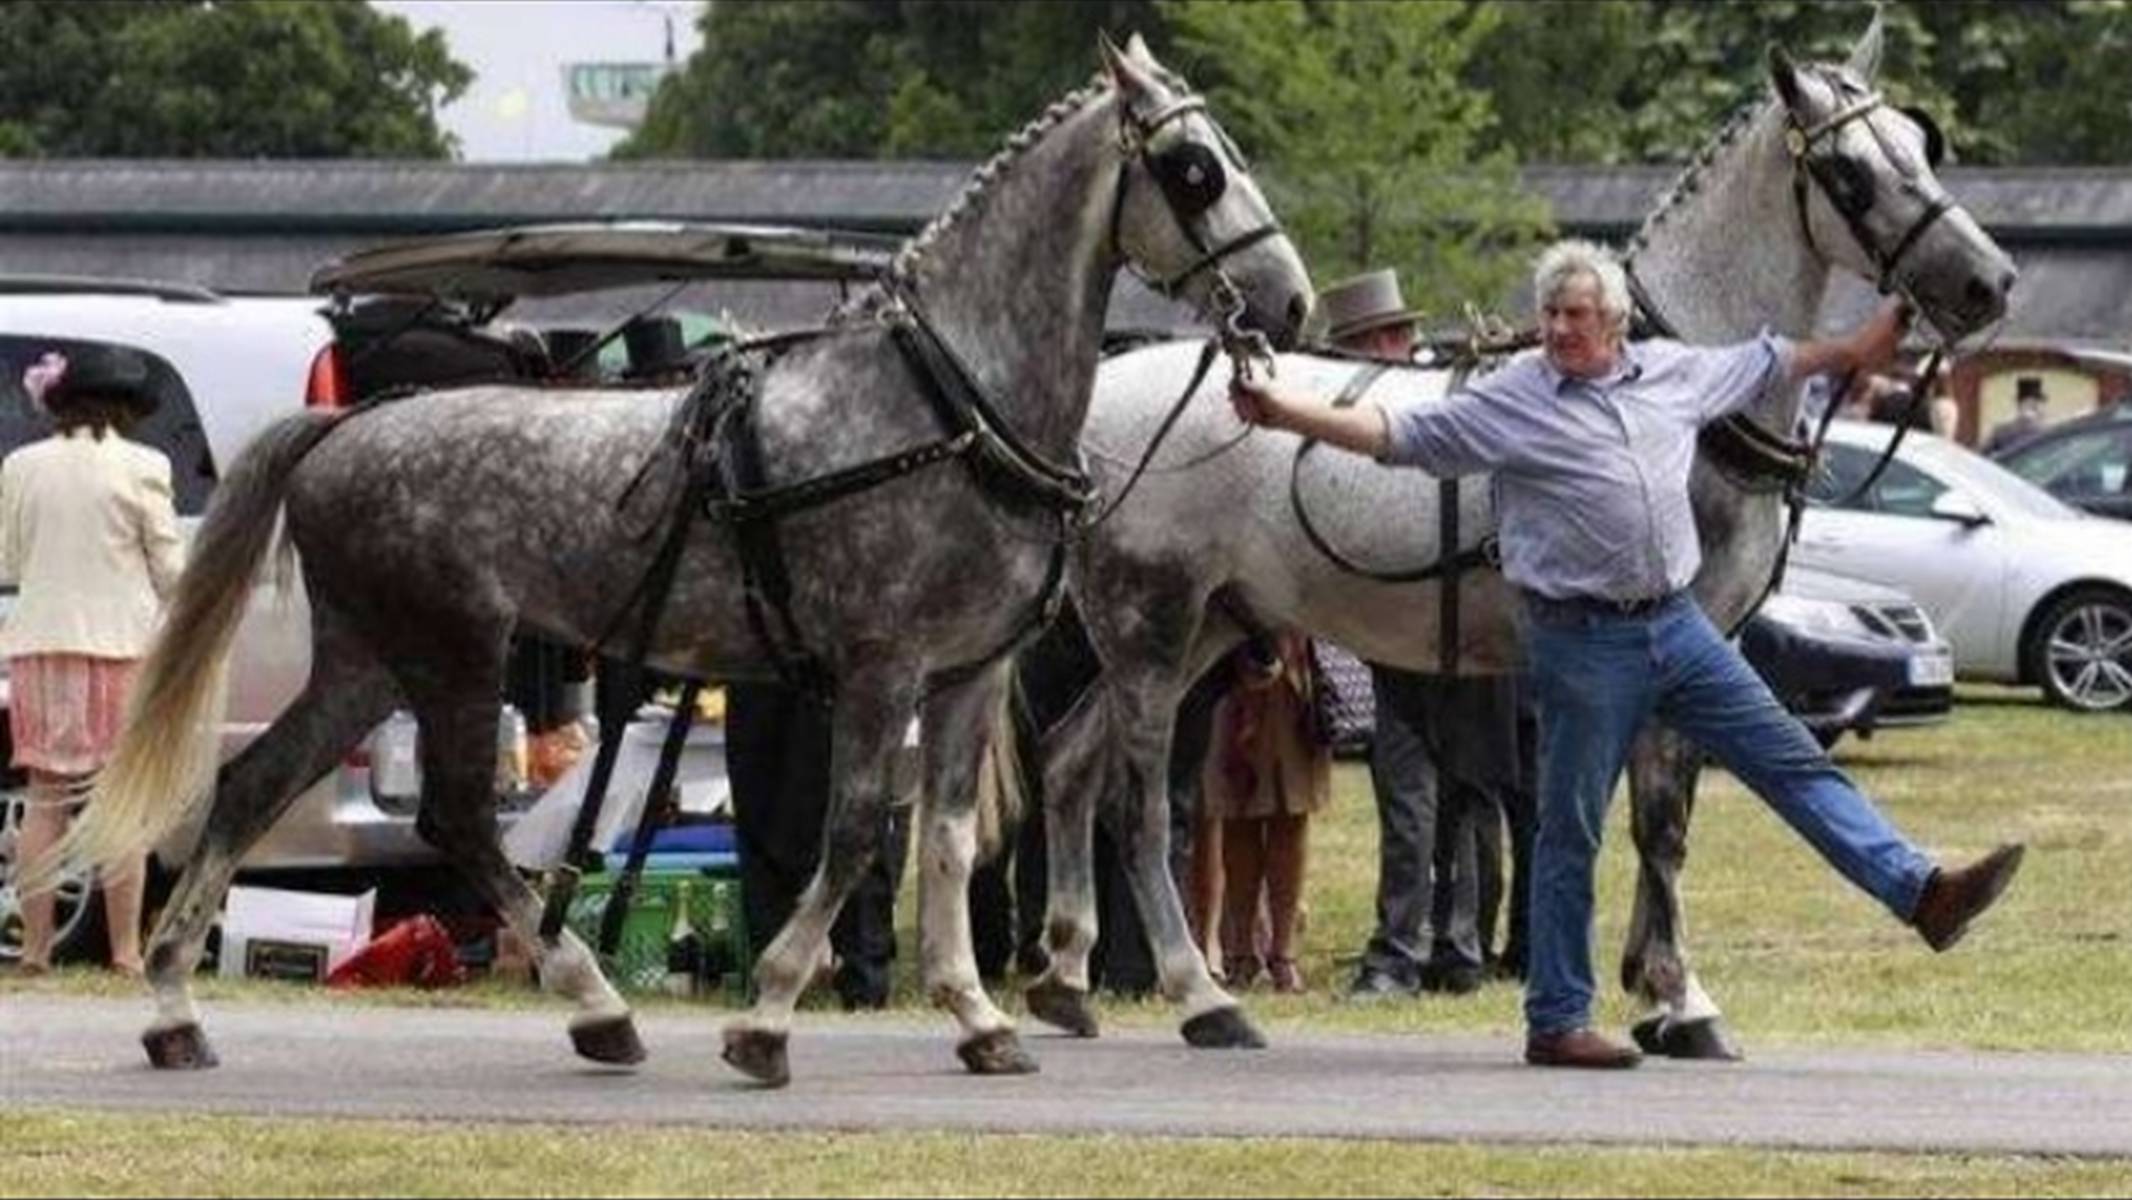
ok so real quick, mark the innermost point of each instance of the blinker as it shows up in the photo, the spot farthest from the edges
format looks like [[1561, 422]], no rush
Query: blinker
[[1191, 175]]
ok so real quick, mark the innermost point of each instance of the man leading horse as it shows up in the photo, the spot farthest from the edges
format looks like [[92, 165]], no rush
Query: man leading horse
[[1590, 442]]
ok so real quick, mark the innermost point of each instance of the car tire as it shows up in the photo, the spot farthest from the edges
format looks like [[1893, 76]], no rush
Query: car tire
[[78, 914], [2080, 650]]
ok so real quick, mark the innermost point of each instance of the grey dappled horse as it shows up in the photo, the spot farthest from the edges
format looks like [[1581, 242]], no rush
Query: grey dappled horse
[[428, 528], [1726, 253]]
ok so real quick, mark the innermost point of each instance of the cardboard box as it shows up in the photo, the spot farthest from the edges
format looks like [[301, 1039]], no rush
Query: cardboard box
[[271, 933]]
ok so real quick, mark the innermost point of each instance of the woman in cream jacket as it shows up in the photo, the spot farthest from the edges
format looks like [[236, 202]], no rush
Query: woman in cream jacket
[[88, 533]]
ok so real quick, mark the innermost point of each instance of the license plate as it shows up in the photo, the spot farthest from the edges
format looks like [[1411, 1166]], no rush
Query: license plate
[[1931, 670]]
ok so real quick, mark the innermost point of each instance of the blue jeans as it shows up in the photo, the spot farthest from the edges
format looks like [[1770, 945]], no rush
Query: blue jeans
[[1598, 677]]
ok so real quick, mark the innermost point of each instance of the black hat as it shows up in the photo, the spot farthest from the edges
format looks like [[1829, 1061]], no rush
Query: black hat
[[112, 371]]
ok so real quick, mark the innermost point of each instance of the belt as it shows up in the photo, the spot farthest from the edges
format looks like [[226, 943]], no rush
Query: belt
[[1562, 608]]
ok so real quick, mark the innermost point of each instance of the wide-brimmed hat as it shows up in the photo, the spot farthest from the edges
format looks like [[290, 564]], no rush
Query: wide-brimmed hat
[[111, 371], [1365, 302]]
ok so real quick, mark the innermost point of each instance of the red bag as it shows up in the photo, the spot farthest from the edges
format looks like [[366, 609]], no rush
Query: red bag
[[416, 952]]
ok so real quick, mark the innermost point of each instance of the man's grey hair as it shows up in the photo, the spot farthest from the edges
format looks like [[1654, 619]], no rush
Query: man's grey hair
[[1566, 260]]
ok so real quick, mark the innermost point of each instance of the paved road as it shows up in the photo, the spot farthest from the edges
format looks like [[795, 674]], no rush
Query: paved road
[[878, 1074]]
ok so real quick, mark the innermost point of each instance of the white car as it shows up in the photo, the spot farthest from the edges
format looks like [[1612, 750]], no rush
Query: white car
[[2025, 588]]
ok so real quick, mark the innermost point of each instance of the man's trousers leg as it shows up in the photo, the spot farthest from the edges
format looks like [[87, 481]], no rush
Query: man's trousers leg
[[1404, 778]]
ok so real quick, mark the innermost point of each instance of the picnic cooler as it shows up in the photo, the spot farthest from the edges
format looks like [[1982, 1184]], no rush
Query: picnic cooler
[[639, 962]]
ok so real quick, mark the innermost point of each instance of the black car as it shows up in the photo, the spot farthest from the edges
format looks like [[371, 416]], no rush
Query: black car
[[2086, 462], [1844, 655]]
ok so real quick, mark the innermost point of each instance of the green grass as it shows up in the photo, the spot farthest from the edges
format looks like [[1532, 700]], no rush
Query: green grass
[[1787, 947], [1790, 951], [87, 1154]]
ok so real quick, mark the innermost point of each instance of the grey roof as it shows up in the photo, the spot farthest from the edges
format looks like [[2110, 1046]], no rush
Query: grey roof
[[265, 226]]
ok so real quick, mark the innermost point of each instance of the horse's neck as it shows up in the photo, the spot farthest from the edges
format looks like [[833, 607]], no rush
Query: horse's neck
[[1020, 287], [1730, 259]]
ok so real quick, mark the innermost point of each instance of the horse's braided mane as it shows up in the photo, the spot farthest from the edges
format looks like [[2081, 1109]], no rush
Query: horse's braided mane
[[904, 267], [1689, 181]]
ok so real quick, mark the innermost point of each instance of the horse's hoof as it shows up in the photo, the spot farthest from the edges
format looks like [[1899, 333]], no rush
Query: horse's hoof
[[179, 1048], [1062, 1007], [996, 1053], [1224, 1029], [1709, 1039], [610, 1040], [759, 1055]]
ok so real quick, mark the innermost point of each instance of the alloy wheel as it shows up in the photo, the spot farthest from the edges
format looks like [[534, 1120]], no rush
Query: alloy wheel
[[2089, 655]]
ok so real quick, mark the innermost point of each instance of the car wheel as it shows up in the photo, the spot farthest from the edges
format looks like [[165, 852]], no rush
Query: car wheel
[[77, 913], [2081, 650]]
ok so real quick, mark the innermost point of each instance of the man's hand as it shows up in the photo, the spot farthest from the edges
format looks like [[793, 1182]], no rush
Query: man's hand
[[1359, 428], [1870, 347], [1876, 341], [1255, 403]]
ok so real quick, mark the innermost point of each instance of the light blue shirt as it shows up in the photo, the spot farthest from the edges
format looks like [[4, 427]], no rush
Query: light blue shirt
[[1591, 476]]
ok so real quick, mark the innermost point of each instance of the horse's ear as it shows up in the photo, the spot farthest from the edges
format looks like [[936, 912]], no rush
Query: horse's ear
[[1129, 76], [1785, 74], [1136, 49], [1865, 56]]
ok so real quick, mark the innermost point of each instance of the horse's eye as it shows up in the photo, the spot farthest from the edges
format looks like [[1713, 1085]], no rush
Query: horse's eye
[[1191, 176]]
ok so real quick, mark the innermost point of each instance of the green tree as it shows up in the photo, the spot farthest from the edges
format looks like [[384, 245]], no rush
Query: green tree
[[1371, 141], [875, 78], [232, 79], [1647, 80]]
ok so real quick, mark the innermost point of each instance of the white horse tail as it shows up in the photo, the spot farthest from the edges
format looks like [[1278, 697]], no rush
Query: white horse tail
[[1002, 795], [162, 770]]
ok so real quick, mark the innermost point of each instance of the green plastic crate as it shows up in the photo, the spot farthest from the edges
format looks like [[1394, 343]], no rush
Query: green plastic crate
[[638, 963]]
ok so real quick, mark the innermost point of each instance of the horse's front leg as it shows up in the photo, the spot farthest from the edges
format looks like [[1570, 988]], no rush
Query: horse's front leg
[[1685, 1023], [969, 748], [872, 710]]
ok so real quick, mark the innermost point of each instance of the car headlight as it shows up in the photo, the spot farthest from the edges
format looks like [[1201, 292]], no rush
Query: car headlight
[[1818, 616]]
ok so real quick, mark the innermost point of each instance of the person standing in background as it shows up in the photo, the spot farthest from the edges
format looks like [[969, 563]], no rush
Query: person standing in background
[[89, 533]]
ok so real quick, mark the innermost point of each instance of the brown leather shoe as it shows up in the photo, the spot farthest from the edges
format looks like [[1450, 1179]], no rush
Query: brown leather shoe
[[1585, 1047], [1952, 899]]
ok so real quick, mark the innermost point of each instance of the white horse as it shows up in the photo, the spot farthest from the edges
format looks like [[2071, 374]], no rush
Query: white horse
[[1820, 176]]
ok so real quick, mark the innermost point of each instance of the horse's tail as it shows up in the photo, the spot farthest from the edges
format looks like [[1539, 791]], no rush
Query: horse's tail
[[162, 769], [1002, 791]]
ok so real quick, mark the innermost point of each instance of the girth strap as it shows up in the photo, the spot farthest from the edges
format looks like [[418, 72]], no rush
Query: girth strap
[[1452, 562]]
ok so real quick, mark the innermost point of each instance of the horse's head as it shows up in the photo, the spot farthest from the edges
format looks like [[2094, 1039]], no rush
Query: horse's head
[[1189, 218], [1868, 197]]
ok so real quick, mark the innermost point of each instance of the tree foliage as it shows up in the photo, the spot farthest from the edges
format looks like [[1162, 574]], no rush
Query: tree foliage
[[230, 79], [1370, 141], [1645, 80], [874, 78]]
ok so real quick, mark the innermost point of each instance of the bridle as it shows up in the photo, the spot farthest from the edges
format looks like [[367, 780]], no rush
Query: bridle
[[1191, 180], [1850, 193]]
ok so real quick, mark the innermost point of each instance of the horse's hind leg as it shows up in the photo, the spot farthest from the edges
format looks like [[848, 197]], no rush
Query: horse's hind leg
[[1663, 769], [456, 703], [1114, 748], [346, 695], [873, 708], [960, 723]]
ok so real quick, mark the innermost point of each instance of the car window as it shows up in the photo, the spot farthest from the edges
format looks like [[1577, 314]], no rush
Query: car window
[[2091, 464], [174, 427], [1901, 490]]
